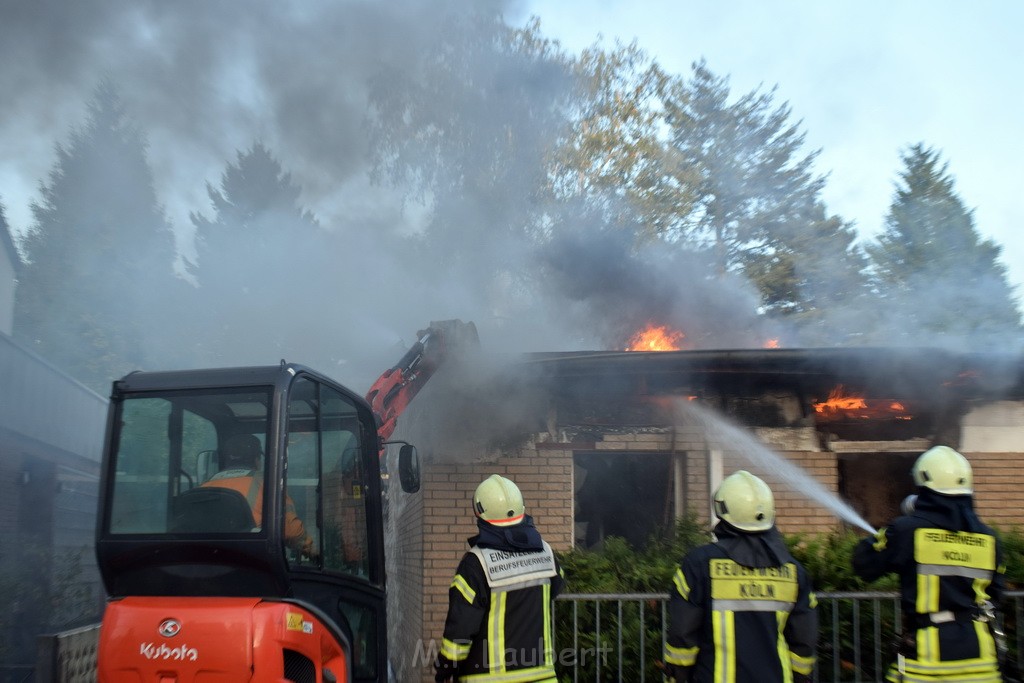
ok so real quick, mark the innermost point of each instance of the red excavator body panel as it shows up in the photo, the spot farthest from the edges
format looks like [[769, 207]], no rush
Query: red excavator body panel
[[215, 640]]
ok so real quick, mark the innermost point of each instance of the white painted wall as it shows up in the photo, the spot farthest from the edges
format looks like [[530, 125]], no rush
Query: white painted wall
[[996, 427]]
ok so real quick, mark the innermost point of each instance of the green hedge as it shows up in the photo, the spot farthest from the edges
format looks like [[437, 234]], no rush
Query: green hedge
[[620, 568]]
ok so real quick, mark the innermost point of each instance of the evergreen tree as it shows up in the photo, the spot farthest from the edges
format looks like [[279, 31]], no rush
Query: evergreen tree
[[813, 278], [751, 181], [257, 263], [100, 254], [940, 281]]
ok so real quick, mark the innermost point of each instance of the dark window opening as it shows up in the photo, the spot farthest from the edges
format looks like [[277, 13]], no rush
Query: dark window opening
[[875, 483], [628, 495]]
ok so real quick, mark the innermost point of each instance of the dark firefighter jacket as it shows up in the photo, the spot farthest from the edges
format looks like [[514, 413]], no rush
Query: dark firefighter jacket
[[499, 623], [949, 563], [742, 611]]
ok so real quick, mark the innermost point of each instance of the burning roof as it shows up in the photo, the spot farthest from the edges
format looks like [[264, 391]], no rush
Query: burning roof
[[843, 388]]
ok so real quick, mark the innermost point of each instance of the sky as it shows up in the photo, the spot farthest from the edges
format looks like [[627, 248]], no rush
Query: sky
[[865, 78]]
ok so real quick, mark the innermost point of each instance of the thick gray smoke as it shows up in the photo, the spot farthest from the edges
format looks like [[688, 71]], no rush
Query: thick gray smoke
[[206, 79], [616, 289]]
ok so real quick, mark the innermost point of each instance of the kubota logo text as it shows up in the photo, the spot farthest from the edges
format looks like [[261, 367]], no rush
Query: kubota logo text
[[180, 653]]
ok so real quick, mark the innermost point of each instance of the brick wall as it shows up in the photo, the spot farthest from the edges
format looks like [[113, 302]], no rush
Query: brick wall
[[696, 493], [998, 481], [794, 511], [404, 556]]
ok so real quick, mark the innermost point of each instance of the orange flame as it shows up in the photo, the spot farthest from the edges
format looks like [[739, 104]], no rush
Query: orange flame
[[842, 405], [656, 338], [772, 344]]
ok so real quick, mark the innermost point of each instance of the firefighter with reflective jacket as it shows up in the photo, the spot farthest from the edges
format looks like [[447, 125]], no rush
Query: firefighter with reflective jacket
[[950, 569], [499, 624], [742, 609]]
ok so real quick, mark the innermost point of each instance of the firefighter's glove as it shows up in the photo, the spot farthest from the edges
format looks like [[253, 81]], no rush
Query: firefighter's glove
[[444, 669]]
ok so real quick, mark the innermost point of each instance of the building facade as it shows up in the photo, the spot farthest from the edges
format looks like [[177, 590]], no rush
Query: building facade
[[51, 433], [619, 444]]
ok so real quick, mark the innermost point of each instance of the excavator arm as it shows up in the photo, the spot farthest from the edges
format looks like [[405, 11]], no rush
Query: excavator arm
[[398, 385]]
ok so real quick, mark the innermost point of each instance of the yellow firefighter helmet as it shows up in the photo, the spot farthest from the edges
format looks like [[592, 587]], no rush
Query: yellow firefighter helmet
[[944, 470], [499, 501], [745, 502]]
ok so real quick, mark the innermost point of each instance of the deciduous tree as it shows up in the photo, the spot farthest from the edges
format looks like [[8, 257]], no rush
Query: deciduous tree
[[614, 154]]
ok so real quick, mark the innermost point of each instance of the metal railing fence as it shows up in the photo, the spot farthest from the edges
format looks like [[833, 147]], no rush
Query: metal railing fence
[[620, 636]]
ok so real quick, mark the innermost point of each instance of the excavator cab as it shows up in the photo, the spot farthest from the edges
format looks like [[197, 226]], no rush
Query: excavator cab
[[241, 530]]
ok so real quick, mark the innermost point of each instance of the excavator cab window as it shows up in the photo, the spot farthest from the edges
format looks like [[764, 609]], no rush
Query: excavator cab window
[[326, 477], [190, 463]]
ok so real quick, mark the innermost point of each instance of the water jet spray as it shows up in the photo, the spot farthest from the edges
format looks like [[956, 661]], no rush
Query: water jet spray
[[742, 443]]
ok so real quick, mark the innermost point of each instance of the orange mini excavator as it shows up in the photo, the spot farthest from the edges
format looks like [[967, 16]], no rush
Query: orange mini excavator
[[240, 533]]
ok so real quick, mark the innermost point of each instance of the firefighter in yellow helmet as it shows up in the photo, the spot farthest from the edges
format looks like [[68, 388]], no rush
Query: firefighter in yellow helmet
[[499, 623], [742, 609], [950, 568]]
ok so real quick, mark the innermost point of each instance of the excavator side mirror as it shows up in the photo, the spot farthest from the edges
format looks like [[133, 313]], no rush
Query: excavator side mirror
[[409, 468]]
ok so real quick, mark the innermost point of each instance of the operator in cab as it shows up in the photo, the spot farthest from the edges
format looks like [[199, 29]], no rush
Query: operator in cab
[[240, 461]]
